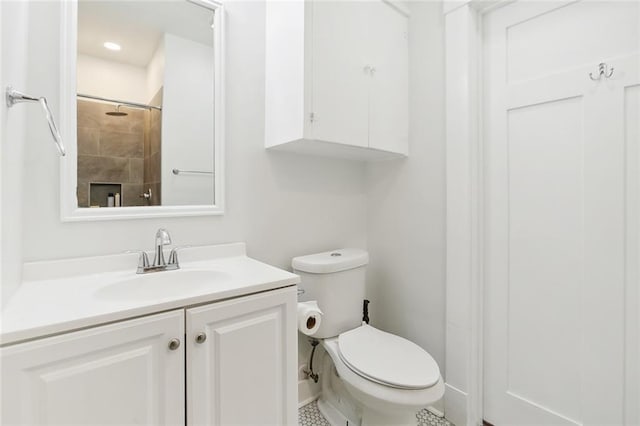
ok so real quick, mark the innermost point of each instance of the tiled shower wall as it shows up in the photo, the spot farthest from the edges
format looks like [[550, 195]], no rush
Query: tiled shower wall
[[111, 150], [152, 151]]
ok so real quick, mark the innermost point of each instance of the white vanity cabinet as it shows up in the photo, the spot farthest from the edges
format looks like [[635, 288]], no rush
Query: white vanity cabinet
[[133, 372], [121, 373], [337, 78], [241, 361]]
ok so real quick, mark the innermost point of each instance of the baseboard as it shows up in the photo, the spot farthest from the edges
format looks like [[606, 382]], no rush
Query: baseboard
[[308, 391], [455, 405]]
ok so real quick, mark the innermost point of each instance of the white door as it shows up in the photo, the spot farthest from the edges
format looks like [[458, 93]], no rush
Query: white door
[[243, 370], [557, 225], [118, 374]]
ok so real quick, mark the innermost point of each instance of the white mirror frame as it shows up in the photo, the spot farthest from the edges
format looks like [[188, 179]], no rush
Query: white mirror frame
[[70, 212]]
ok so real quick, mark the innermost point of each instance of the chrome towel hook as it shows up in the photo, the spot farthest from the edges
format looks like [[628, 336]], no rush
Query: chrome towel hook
[[13, 97], [603, 69]]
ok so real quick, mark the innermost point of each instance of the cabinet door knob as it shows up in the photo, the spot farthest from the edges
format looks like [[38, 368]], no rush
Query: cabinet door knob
[[174, 344], [201, 337]]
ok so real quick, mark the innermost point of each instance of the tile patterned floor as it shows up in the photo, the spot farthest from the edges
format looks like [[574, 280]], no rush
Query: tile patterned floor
[[309, 415]]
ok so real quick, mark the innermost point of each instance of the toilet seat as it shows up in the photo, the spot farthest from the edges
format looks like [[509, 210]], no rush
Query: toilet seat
[[374, 394], [387, 359]]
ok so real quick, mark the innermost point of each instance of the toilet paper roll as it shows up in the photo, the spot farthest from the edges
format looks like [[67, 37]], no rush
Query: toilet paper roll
[[309, 317]]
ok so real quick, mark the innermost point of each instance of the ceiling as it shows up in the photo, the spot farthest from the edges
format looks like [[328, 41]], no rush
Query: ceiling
[[137, 26]]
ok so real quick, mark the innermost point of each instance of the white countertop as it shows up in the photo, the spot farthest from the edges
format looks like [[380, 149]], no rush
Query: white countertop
[[63, 295]]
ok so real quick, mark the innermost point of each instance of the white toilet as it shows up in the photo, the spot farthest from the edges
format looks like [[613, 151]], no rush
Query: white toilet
[[370, 377]]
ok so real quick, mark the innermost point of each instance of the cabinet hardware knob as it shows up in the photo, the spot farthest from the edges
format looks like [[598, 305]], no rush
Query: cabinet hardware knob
[[174, 344], [201, 337], [367, 69], [373, 70]]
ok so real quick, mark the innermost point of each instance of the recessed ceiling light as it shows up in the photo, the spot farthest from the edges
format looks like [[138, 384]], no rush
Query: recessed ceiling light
[[111, 45]]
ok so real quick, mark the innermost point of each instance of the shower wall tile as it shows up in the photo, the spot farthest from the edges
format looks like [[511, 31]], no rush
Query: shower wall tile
[[136, 170], [102, 169], [147, 130], [152, 153], [119, 144], [155, 132], [131, 194], [90, 113], [88, 140], [153, 168], [83, 194], [131, 123]]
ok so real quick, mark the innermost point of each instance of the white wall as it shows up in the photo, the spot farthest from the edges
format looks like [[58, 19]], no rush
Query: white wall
[[187, 121], [13, 39], [155, 71], [111, 80], [282, 205], [406, 216]]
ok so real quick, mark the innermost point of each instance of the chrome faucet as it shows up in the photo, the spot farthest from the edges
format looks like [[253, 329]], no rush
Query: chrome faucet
[[162, 238], [159, 264]]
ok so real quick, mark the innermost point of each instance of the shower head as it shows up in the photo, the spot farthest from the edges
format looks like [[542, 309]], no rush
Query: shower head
[[117, 112]]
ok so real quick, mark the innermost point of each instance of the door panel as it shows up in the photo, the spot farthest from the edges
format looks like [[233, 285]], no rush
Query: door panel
[[244, 373], [116, 374], [555, 199], [543, 38], [545, 244], [632, 219]]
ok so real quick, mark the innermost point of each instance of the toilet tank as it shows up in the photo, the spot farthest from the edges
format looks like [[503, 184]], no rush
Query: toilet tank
[[336, 280]]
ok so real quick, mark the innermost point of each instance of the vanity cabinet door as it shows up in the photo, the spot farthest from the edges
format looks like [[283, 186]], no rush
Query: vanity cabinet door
[[241, 361], [122, 373]]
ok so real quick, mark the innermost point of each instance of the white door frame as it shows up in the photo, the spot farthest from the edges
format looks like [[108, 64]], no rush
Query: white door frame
[[464, 313], [464, 210]]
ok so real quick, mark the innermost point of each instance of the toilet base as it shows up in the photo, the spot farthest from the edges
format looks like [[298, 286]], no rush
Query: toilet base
[[340, 408], [335, 403], [376, 418], [333, 415], [369, 417]]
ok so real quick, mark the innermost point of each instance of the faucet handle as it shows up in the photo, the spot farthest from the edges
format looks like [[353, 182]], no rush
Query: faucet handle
[[173, 256], [163, 237], [143, 260]]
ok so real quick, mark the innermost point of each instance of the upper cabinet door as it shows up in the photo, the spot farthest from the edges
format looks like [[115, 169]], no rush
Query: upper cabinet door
[[241, 365], [340, 83], [122, 373], [389, 92]]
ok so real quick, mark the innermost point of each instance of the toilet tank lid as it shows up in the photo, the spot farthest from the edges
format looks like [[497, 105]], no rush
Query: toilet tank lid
[[331, 261]]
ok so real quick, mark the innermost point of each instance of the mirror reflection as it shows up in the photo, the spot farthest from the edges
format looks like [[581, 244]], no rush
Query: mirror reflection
[[145, 99]]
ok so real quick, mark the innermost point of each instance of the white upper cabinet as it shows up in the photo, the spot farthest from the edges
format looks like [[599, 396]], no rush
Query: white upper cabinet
[[337, 78], [389, 85]]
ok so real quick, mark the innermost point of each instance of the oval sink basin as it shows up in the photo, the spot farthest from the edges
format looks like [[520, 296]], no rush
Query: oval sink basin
[[162, 285]]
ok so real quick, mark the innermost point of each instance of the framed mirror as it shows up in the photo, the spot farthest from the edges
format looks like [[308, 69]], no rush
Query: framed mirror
[[142, 109]]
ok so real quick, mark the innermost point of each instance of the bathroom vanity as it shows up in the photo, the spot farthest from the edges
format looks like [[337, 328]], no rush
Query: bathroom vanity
[[211, 343]]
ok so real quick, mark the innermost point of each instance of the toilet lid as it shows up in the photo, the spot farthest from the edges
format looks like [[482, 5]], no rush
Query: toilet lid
[[387, 359]]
